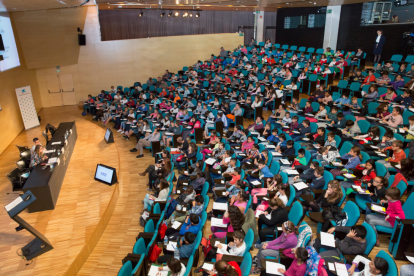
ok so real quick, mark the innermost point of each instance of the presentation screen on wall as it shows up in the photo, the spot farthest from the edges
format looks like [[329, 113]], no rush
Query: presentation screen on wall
[[10, 54], [104, 174]]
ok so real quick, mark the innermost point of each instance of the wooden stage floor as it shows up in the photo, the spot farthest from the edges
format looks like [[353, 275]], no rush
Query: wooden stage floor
[[84, 206]]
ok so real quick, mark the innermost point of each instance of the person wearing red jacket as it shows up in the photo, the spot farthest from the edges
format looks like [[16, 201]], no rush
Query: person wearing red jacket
[[369, 79], [394, 211]]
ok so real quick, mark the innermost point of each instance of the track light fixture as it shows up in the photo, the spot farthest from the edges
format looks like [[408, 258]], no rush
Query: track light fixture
[[176, 14], [169, 14], [162, 14], [141, 14], [191, 15], [185, 14], [197, 15]]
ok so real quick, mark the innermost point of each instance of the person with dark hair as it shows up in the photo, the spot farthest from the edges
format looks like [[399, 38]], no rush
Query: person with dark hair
[[354, 243], [379, 43], [36, 142], [162, 195], [275, 214], [394, 119], [394, 210], [304, 130], [397, 155], [235, 220], [377, 190], [185, 247], [174, 265], [368, 174], [379, 266], [225, 268], [299, 264]]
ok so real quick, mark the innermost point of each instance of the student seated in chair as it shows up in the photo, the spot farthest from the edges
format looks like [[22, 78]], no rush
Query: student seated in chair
[[354, 243], [379, 266], [185, 248], [197, 207]]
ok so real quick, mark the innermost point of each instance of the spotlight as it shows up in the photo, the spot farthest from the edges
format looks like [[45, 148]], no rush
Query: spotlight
[[198, 14], [141, 14], [176, 14], [169, 14], [191, 15], [162, 14], [185, 14]]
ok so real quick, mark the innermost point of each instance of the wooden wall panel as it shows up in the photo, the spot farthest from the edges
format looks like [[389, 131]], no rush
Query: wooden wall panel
[[50, 37], [105, 63], [10, 115]]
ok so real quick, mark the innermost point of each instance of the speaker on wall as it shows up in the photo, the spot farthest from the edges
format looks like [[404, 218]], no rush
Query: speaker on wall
[[82, 39], [1, 43]]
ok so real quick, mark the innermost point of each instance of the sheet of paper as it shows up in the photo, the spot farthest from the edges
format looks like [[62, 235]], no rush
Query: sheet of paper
[[208, 267], [227, 159], [262, 139], [316, 146], [327, 239], [154, 271], [411, 259], [274, 153], [174, 149], [210, 161], [305, 139], [300, 186], [184, 209], [272, 268], [176, 224], [219, 206], [171, 246], [380, 153], [52, 160], [348, 175], [378, 208], [258, 213], [285, 161], [279, 229], [222, 250], [291, 171], [374, 147], [218, 222], [341, 269], [178, 192], [338, 164], [256, 182], [331, 266], [13, 204], [56, 143], [270, 146]]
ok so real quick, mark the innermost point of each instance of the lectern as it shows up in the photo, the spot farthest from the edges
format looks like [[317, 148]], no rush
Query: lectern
[[40, 244]]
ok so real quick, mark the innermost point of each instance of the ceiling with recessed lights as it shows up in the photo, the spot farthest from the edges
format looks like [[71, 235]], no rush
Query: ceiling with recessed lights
[[267, 5]]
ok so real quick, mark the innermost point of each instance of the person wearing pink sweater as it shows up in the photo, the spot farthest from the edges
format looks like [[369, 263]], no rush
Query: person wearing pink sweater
[[298, 266], [394, 119], [248, 144], [287, 239], [394, 211]]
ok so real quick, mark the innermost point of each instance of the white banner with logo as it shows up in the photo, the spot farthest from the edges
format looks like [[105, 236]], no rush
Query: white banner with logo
[[27, 107]]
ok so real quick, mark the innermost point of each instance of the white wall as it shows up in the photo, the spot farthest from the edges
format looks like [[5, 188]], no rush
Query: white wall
[[333, 18]]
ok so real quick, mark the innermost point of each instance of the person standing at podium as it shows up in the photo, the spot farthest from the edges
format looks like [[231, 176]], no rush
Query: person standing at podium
[[37, 156]]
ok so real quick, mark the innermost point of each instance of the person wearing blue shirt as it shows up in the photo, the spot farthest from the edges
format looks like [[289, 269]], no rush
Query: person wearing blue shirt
[[354, 158], [192, 224], [155, 101], [404, 99], [343, 100], [338, 124], [234, 62], [185, 248], [304, 130], [273, 138]]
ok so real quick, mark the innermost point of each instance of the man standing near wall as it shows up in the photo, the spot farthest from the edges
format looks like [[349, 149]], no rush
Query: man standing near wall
[[223, 53]]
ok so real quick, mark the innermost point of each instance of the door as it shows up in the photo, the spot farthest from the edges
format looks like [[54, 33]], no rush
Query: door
[[68, 91], [53, 88], [61, 90]]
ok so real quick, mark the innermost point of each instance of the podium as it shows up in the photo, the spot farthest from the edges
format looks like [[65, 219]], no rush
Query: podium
[[40, 244]]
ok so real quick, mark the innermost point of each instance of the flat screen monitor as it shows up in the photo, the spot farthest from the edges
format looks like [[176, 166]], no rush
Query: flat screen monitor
[[105, 174]]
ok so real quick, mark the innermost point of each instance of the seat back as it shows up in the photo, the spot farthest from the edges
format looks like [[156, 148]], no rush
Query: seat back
[[149, 227], [189, 265], [246, 265], [291, 195], [365, 157], [364, 126], [343, 196], [126, 269], [392, 267], [371, 238], [285, 177], [275, 168], [327, 176], [295, 214], [249, 240], [402, 187], [346, 147], [139, 247], [380, 168], [353, 213], [408, 206]]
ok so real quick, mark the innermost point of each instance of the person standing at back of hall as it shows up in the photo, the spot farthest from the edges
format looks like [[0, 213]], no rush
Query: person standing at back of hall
[[379, 42], [223, 53]]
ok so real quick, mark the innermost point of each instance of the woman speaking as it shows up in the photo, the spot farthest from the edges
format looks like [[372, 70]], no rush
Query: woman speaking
[[378, 46]]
